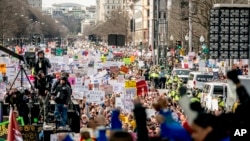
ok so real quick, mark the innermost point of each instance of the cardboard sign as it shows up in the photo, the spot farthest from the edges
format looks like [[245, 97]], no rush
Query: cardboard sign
[[142, 87], [3, 68], [130, 84], [124, 69]]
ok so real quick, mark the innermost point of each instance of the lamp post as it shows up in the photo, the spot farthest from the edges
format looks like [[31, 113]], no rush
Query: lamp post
[[202, 39], [172, 42], [186, 39]]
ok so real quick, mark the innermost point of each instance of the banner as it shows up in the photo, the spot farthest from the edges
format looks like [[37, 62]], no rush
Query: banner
[[4, 127]]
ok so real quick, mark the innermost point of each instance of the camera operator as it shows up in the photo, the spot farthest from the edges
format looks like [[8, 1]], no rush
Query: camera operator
[[42, 63], [43, 83], [19, 100], [62, 97]]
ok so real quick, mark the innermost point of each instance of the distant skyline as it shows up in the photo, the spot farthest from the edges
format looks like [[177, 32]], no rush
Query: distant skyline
[[49, 3]]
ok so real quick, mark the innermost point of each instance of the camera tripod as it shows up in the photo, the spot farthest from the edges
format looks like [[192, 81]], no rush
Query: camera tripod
[[22, 71]]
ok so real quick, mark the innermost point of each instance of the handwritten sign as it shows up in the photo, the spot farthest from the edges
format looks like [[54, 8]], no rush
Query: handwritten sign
[[131, 92], [108, 89], [118, 87], [95, 97], [124, 69], [118, 103]]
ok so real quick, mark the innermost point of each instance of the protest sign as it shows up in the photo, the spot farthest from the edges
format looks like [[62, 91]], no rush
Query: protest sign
[[3, 68], [118, 103], [130, 84], [108, 89], [117, 88], [124, 69], [95, 97]]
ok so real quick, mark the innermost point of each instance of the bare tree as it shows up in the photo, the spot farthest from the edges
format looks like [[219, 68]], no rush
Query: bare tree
[[116, 23]]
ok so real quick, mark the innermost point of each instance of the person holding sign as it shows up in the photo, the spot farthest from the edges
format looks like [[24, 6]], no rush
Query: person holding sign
[[62, 98], [42, 63]]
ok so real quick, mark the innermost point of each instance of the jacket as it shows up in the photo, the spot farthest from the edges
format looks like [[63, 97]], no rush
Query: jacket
[[173, 130], [57, 82], [116, 124], [42, 64], [63, 94], [140, 118]]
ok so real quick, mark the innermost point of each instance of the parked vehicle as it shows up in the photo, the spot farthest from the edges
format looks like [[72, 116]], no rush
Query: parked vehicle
[[197, 79], [211, 93], [182, 74]]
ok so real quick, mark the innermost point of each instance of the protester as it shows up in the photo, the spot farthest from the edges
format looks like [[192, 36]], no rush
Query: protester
[[42, 63]]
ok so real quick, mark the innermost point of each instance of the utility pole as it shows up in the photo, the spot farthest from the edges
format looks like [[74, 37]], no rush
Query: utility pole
[[190, 27], [151, 29]]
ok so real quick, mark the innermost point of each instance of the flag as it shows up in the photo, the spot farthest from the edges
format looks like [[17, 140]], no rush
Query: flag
[[13, 130]]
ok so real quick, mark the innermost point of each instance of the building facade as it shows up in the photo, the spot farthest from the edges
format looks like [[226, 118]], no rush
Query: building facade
[[141, 16], [35, 3], [104, 8]]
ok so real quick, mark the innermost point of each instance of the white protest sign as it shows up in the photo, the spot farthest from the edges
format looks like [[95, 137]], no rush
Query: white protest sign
[[130, 92], [118, 103], [2, 90], [120, 78], [128, 99], [4, 60], [118, 87], [95, 97], [150, 112], [215, 105]]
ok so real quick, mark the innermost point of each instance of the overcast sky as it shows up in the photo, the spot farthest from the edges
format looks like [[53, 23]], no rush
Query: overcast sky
[[48, 3]]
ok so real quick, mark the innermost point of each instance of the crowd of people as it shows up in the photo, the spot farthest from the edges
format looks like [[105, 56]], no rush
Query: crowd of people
[[174, 116]]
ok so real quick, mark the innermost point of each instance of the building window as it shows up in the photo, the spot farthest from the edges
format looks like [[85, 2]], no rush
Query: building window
[[113, 1], [107, 7], [107, 1]]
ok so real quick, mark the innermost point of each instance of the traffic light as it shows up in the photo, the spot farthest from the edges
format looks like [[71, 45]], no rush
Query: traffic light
[[58, 42], [205, 50], [38, 40], [178, 45], [34, 40]]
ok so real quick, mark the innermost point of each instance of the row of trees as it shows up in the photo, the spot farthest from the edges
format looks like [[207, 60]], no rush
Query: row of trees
[[18, 20], [115, 23]]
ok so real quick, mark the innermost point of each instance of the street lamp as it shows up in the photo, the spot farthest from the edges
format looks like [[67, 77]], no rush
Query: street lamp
[[202, 39], [186, 39], [172, 42]]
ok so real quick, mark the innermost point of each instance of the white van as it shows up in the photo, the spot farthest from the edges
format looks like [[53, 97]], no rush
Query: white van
[[213, 90], [197, 79]]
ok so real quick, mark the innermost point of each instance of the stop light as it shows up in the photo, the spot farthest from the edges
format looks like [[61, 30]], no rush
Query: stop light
[[205, 50], [34, 40], [38, 40], [58, 42], [178, 45]]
